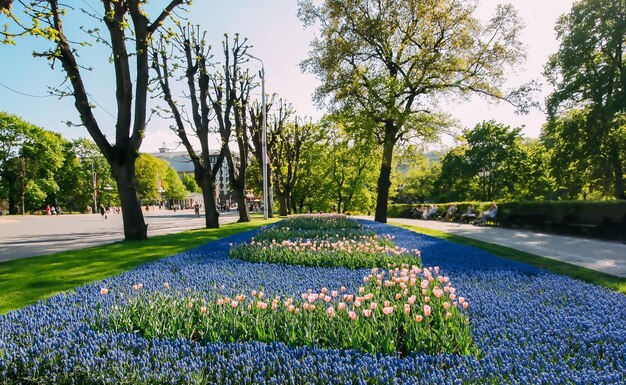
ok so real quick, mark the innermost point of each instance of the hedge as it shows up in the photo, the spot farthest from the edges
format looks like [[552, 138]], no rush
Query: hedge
[[602, 219]]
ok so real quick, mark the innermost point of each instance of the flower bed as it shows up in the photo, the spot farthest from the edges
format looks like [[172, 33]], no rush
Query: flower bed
[[359, 252], [530, 327], [400, 311], [327, 222], [280, 234]]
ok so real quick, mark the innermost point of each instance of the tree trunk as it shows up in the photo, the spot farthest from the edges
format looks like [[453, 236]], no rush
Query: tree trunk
[[618, 173], [211, 215], [283, 208], [242, 207], [270, 199], [135, 227], [384, 181]]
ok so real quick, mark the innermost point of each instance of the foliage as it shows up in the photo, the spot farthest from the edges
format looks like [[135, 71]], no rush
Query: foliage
[[415, 175], [588, 75], [151, 173], [424, 318], [190, 183], [30, 158], [174, 187], [550, 328], [381, 61], [494, 162], [76, 177]]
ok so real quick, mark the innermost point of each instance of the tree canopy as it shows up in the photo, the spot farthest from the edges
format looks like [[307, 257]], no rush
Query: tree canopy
[[386, 60]]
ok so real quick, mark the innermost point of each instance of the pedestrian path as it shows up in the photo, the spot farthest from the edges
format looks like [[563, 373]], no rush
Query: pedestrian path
[[604, 256]]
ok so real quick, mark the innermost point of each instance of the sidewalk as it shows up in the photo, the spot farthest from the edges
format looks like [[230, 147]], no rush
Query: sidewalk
[[605, 256]]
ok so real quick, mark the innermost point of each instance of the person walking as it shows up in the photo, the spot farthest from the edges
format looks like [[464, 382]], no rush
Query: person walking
[[103, 212], [48, 210]]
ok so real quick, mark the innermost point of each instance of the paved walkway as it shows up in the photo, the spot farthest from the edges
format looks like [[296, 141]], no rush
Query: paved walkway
[[605, 256], [32, 235]]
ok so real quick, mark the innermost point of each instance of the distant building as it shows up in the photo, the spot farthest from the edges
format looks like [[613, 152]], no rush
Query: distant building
[[181, 162]]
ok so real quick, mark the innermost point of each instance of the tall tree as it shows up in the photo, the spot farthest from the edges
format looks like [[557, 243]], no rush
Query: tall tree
[[174, 187], [127, 24], [191, 55], [589, 73], [385, 59], [230, 100]]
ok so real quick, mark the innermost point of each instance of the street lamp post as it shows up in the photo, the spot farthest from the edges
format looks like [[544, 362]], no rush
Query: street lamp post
[[484, 174], [263, 135]]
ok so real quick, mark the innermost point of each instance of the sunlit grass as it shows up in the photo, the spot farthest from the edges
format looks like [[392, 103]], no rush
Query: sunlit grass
[[24, 281], [558, 267]]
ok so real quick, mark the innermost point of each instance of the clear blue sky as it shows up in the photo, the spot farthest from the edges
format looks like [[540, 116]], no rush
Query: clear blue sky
[[278, 38]]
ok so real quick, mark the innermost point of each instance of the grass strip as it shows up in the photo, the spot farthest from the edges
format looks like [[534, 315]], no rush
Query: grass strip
[[577, 272], [27, 280]]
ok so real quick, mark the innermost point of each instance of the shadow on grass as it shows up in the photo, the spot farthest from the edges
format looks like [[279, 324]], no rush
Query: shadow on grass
[[577, 272], [24, 281]]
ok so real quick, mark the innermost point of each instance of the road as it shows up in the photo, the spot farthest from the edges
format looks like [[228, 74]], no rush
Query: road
[[32, 235]]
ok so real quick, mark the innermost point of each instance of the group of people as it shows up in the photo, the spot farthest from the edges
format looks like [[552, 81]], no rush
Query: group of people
[[430, 212], [53, 210]]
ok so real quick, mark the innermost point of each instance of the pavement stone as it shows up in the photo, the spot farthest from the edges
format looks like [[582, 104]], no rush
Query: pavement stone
[[33, 235], [605, 256]]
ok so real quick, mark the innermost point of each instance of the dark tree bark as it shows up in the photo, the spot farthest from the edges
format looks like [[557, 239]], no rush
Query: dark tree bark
[[229, 100], [384, 181], [120, 156], [194, 59]]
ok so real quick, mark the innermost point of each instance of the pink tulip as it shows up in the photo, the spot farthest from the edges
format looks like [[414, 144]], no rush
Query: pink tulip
[[465, 305], [427, 310], [407, 308], [418, 318], [461, 299], [203, 310], [373, 305], [357, 303], [234, 304], [367, 313], [412, 300], [104, 291], [166, 285], [330, 311], [220, 302], [448, 315], [352, 315], [446, 305], [334, 293], [387, 310], [427, 299]]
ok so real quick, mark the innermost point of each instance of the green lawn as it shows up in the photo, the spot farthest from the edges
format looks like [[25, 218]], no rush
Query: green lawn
[[24, 281], [558, 267]]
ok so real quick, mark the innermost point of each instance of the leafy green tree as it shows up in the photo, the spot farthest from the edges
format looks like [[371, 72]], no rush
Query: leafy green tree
[[312, 191], [577, 172], [30, 158], [76, 178], [190, 183], [416, 175], [128, 25], [174, 187], [490, 164], [386, 59], [455, 182], [150, 172], [589, 74]]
